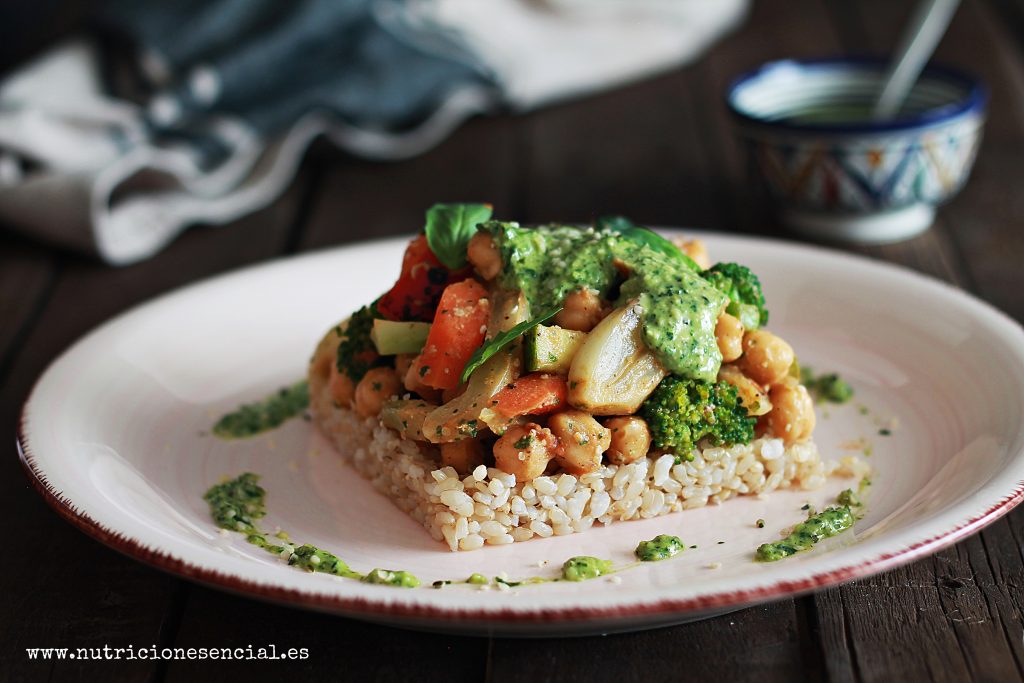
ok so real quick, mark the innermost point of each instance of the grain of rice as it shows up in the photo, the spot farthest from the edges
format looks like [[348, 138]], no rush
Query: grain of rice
[[545, 486], [566, 484]]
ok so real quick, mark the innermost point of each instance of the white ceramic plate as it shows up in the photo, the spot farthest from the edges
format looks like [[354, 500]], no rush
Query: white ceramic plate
[[114, 436]]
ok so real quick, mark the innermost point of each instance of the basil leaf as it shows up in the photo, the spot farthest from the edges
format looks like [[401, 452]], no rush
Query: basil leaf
[[645, 236], [502, 339], [450, 227]]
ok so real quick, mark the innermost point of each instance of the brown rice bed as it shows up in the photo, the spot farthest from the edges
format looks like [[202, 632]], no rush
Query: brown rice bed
[[490, 507]]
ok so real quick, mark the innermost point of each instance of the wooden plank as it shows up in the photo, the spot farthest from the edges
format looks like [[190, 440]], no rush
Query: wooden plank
[[1011, 15], [338, 649], [634, 151], [367, 200], [63, 589], [942, 620], [26, 274], [756, 644]]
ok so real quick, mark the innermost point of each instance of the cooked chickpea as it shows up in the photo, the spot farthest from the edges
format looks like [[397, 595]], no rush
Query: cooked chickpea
[[464, 455], [792, 416], [376, 386], [752, 395], [729, 335], [321, 367], [484, 255], [766, 358], [630, 439], [581, 440], [341, 387], [403, 362], [524, 451], [412, 381], [582, 311], [696, 250]]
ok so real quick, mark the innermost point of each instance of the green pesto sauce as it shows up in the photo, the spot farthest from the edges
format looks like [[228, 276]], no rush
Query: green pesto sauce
[[584, 567], [829, 387], [312, 559], [660, 547], [237, 505], [389, 577], [848, 498], [826, 523], [680, 308], [255, 418], [481, 580], [854, 499]]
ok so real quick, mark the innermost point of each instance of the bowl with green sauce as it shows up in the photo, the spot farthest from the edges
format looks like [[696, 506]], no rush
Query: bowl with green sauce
[[831, 171]]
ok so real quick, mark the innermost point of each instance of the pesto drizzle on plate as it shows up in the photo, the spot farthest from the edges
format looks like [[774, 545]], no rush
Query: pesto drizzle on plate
[[661, 547], [237, 504], [254, 418], [829, 522], [826, 523], [585, 567]]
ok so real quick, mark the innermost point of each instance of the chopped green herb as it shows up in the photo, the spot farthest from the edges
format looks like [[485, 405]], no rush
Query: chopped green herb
[[510, 584], [502, 339], [352, 357]]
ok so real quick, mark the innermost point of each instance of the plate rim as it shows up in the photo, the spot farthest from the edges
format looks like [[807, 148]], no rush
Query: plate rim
[[384, 609]]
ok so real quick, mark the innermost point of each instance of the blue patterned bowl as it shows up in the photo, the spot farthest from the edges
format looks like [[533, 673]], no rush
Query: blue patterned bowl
[[836, 174]]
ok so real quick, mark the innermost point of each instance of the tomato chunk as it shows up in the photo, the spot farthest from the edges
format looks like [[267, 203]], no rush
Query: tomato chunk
[[415, 295]]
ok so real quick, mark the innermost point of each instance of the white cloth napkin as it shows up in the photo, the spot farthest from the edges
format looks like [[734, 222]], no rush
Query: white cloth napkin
[[83, 169]]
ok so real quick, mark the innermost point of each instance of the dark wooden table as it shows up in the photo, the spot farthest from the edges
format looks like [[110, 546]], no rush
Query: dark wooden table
[[659, 151]]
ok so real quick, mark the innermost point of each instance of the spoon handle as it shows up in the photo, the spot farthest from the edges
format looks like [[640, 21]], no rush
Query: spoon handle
[[929, 23]]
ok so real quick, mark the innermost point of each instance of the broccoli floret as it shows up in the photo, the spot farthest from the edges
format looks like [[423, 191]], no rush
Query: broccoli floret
[[356, 352], [746, 300], [680, 412]]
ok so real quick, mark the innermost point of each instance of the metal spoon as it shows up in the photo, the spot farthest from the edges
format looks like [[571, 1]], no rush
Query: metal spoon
[[927, 26]]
